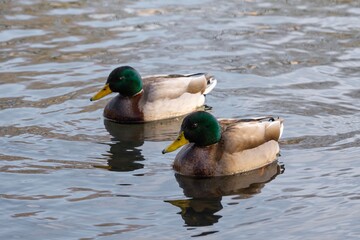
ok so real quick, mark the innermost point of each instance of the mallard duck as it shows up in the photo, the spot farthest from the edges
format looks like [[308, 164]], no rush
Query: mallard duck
[[154, 97], [225, 147]]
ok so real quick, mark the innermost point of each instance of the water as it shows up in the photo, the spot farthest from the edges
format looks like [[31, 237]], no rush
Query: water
[[65, 176]]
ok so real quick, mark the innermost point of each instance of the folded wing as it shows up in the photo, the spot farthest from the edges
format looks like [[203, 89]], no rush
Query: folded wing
[[242, 135], [174, 86]]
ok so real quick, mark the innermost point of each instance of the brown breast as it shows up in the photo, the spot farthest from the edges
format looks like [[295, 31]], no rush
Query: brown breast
[[124, 109], [198, 161]]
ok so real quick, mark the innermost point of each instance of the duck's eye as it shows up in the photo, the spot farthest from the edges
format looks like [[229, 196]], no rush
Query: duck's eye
[[193, 125]]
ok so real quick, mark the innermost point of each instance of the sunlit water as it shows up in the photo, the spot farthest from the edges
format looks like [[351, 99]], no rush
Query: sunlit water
[[67, 174]]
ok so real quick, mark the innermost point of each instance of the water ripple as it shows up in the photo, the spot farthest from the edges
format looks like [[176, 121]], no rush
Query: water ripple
[[297, 60]]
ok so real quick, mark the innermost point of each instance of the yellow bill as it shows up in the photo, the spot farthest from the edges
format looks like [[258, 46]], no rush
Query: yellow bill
[[180, 141], [102, 93]]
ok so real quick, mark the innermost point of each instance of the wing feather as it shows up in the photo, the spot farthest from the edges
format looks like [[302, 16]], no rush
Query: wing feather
[[174, 86], [246, 135]]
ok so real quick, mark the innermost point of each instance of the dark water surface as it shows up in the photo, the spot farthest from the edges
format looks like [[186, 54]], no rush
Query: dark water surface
[[65, 174]]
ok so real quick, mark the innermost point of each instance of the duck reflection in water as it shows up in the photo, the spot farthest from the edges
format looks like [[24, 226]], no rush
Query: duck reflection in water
[[125, 149], [205, 194]]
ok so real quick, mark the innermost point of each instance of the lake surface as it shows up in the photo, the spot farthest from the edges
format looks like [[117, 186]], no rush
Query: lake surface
[[67, 174]]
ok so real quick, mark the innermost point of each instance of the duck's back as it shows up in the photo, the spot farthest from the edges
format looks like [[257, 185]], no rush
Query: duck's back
[[250, 144], [249, 133], [173, 95]]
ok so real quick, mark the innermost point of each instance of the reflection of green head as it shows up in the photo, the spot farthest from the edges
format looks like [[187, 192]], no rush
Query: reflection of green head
[[125, 80], [201, 128]]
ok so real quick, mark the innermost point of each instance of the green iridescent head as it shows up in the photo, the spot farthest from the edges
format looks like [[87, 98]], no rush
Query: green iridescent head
[[200, 128], [124, 80]]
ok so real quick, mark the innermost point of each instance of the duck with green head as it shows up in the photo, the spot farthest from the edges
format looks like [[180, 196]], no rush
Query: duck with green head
[[154, 97], [226, 146]]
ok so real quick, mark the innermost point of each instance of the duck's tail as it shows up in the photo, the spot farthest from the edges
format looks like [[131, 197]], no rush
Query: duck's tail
[[275, 128], [211, 83]]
